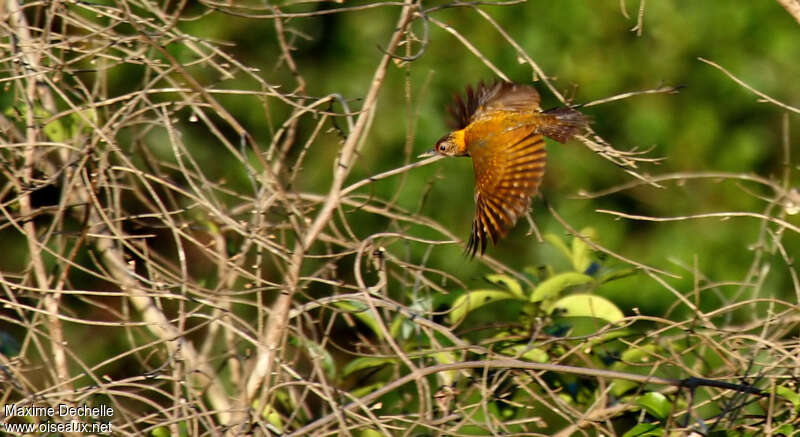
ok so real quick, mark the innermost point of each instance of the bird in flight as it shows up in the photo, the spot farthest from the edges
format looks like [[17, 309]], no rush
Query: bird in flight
[[500, 126]]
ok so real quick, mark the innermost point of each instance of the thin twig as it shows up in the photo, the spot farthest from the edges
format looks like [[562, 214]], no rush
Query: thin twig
[[366, 401], [792, 7], [721, 215], [749, 88]]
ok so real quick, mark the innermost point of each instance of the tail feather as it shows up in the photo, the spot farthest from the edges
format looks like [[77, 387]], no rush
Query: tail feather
[[566, 123]]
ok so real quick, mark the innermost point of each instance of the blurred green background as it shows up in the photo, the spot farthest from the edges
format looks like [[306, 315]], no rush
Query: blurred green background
[[590, 51]]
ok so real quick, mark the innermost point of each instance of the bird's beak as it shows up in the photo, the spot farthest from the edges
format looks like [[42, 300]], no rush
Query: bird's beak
[[428, 154]]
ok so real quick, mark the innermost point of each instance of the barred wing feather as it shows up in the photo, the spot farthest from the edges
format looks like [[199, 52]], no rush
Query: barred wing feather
[[509, 167]]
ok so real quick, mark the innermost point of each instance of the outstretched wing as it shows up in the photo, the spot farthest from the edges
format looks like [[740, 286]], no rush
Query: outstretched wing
[[485, 99], [509, 166]]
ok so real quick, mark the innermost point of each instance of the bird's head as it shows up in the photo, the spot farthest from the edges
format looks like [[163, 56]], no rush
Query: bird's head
[[452, 144]]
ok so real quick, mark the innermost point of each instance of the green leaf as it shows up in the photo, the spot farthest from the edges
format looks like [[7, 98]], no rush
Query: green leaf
[[315, 351], [621, 386], [609, 336], [528, 353], [588, 305], [617, 274], [645, 430], [365, 363], [360, 392], [283, 400], [55, 131], [552, 287], [273, 418], [362, 312], [269, 413], [581, 252], [559, 244], [785, 429], [656, 405], [80, 122], [447, 377], [638, 354], [541, 273], [395, 329], [508, 283], [475, 299], [789, 395], [161, 431]]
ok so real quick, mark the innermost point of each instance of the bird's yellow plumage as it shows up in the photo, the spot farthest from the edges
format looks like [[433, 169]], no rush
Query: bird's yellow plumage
[[501, 126]]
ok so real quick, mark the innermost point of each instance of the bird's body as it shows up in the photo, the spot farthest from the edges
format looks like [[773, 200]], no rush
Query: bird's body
[[501, 126]]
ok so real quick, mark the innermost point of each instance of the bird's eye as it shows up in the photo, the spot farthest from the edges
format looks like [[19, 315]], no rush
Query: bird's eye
[[442, 147]]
